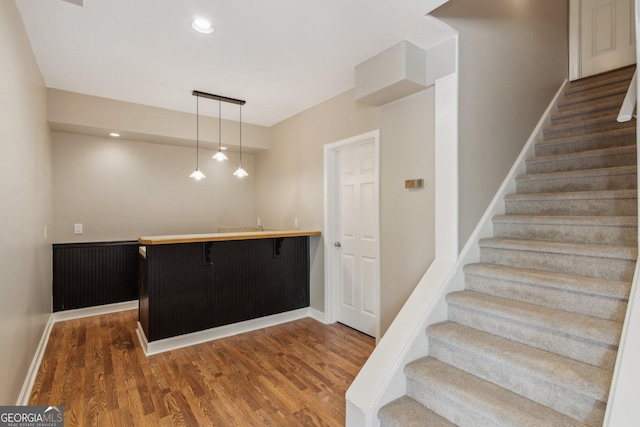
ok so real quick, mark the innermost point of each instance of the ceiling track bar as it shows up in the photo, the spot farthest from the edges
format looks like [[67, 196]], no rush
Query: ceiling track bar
[[218, 97]]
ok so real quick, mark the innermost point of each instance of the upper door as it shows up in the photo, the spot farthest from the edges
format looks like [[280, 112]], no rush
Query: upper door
[[607, 35], [357, 277]]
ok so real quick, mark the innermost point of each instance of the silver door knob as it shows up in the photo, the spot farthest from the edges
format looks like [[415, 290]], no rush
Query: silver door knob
[[337, 244]]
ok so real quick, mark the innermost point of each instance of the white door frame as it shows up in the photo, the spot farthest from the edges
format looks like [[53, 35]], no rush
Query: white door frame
[[331, 221], [575, 59]]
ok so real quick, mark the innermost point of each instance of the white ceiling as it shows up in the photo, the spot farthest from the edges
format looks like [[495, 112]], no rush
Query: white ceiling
[[281, 56]]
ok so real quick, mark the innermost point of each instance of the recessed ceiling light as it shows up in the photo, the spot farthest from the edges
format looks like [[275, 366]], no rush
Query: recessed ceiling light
[[201, 25], [114, 134], [223, 148]]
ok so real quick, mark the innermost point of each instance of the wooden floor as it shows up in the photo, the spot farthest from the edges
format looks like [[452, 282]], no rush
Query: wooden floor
[[295, 374]]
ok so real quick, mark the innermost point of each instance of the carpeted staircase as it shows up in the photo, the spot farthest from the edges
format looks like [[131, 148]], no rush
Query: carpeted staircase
[[532, 339]]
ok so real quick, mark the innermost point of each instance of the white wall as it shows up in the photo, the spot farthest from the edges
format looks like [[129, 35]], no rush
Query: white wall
[[25, 207], [513, 58], [290, 184], [121, 190]]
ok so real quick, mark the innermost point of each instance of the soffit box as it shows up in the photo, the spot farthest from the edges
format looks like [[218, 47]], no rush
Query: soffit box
[[392, 74]]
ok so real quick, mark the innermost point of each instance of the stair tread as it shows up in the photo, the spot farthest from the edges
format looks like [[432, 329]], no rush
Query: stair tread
[[595, 135], [495, 402], [406, 412], [583, 220], [602, 287], [608, 119], [579, 325], [579, 173], [582, 249], [603, 79], [575, 195], [570, 374], [611, 102], [577, 155], [594, 93]]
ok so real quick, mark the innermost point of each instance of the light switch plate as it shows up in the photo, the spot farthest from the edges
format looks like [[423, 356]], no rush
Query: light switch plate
[[77, 228], [414, 183]]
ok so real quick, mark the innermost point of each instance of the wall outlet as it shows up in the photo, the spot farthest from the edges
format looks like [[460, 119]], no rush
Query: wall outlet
[[77, 228]]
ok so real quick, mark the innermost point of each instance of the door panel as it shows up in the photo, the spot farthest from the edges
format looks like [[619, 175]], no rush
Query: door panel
[[358, 237], [607, 35]]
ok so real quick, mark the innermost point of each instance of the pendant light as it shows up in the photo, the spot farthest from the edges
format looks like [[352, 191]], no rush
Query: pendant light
[[197, 174], [219, 156], [240, 172]]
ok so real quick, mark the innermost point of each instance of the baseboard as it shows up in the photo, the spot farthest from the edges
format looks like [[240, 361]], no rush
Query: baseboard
[[25, 393], [94, 311], [318, 315], [212, 334]]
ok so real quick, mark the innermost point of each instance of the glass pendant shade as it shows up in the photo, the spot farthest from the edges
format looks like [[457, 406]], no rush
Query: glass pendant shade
[[240, 173], [219, 156], [197, 174]]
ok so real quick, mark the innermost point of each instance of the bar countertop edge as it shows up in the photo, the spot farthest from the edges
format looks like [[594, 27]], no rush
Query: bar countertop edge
[[218, 237]]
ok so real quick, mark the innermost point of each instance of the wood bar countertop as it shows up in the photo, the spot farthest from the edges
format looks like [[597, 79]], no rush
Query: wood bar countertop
[[218, 237]]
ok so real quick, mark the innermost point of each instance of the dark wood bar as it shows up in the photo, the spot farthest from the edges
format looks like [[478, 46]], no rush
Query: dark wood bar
[[196, 282]]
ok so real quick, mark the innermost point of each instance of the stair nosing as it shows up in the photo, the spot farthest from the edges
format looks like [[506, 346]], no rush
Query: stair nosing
[[579, 220], [582, 138], [626, 193], [549, 279], [524, 358], [587, 154], [475, 391], [593, 121], [593, 329], [562, 248], [579, 173]]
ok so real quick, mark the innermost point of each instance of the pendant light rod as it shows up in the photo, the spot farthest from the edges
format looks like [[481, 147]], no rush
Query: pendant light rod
[[218, 97], [197, 174]]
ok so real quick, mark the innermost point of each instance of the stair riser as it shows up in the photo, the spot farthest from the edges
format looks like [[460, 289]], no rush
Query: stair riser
[[584, 129], [580, 183], [432, 397], [575, 89], [572, 164], [580, 99], [584, 144], [540, 390], [626, 236], [590, 266], [606, 108], [597, 354], [616, 207], [625, 73], [406, 411], [582, 303]]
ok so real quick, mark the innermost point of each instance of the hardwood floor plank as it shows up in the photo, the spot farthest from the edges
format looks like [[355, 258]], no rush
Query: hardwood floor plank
[[294, 374]]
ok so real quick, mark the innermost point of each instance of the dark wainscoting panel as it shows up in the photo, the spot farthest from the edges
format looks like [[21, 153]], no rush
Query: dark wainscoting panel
[[196, 286], [91, 274]]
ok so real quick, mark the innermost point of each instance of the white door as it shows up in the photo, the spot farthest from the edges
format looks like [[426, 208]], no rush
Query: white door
[[357, 243], [607, 35]]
